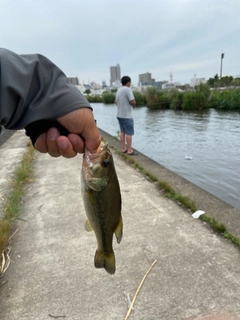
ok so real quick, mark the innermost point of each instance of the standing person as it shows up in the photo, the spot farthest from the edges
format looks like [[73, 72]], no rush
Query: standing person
[[125, 102]]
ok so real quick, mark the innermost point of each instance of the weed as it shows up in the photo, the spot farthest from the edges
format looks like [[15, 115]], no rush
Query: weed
[[219, 227], [230, 237], [12, 203]]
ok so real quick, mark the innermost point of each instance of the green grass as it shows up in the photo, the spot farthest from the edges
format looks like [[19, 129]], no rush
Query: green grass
[[231, 238], [219, 227], [12, 203]]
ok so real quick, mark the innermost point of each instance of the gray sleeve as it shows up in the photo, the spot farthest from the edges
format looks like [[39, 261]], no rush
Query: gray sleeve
[[32, 88]]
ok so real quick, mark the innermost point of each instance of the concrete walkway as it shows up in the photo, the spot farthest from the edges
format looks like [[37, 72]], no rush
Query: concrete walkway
[[197, 274]]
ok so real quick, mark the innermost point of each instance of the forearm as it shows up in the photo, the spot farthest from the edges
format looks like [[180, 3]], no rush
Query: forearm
[[32, 88], [133, 103]]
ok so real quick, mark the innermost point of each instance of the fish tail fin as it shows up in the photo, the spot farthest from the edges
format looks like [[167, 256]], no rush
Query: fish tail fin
[[119, 230], [105, 260]]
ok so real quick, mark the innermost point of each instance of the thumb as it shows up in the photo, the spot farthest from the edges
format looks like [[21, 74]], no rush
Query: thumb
[[81, 121]]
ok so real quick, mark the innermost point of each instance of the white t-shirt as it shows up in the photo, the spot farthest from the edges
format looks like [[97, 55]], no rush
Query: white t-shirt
[[123, 97]]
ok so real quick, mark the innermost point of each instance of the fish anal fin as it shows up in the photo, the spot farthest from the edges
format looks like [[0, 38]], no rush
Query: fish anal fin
[[88, 226], [119, 231], [105, 260]]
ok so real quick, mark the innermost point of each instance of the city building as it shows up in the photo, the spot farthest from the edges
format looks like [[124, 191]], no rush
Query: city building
[[168, 86], [80, 87], [196, 81], [74, 80], [95, 86], [115, 75], [157, 84], [146, 78]]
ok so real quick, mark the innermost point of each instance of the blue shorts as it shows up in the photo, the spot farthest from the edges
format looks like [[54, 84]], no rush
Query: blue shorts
[[126, 126]]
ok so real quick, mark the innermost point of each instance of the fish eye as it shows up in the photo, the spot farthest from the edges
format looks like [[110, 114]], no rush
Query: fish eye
[[105, 163]]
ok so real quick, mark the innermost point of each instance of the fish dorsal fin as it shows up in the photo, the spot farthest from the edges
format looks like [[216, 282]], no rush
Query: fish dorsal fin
[[88, 226], [119, 231]]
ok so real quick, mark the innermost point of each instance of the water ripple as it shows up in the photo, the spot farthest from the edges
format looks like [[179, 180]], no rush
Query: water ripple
[[210, 137]]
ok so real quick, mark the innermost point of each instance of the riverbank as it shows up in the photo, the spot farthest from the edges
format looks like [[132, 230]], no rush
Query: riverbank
[[213, 206], [196, 275], [208, 138], [198, 98]]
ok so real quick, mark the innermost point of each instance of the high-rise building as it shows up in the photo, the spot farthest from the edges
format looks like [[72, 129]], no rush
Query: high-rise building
[[146, 78], [115, 75]]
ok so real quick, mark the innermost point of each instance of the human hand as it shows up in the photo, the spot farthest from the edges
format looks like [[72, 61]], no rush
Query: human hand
[[80, 121]]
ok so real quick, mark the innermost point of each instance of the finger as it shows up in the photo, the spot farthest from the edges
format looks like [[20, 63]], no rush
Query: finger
[[82, 121], [65, 147], [52, 147], [41, 143], [91, 134], [77, 142]]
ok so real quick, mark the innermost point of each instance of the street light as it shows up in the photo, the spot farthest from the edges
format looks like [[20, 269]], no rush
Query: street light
[[222, 56]]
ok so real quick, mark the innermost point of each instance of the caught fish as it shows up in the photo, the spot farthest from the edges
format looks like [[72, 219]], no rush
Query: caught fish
[[102, 201]]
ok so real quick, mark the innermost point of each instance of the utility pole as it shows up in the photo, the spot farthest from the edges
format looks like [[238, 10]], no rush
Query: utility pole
[[222, 56]]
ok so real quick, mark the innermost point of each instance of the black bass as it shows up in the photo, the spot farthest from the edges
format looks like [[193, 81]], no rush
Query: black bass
[[102, 201]]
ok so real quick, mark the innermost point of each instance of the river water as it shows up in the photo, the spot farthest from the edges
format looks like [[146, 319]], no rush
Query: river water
[[210, 137]]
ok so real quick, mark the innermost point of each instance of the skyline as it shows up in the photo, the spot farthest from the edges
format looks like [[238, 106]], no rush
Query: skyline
[[182, 37]]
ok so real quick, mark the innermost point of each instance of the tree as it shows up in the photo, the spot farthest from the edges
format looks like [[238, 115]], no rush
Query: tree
[[211, 82], [225, 81], [87, 91]]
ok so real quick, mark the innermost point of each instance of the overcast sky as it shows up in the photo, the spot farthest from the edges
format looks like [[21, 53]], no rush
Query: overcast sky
[[85, 37]]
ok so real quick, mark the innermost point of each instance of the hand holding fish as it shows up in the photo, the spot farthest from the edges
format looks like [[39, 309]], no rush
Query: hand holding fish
[[77, 122]]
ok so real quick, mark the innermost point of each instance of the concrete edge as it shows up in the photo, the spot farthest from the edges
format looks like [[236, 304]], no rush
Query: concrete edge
[[213, 206]]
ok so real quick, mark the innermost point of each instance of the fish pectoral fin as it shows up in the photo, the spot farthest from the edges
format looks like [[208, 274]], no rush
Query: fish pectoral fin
[[105, 260], [119, 231], [88, 226], [97, 184]]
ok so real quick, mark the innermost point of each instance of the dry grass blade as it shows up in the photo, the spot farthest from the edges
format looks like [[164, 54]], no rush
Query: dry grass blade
[[138, 289], [6, 254], [5, 260], [3, 263], [10, 238]]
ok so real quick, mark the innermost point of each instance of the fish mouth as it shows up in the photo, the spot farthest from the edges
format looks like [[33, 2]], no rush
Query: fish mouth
[[90, 157]]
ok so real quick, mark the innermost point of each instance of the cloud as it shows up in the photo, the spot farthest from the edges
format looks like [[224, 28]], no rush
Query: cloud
[[85, 38]]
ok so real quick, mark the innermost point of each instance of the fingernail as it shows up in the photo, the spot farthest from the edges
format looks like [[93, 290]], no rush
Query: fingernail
[[52, 134], [62, 144]]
